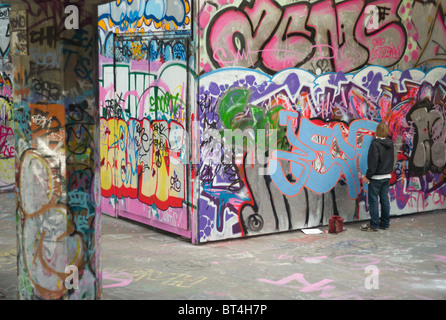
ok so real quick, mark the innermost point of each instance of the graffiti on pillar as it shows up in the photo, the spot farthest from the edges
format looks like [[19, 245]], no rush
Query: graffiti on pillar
[[7, 148], [325, 124], [5, 31], [19, 42], [54, 130], [47, 227]]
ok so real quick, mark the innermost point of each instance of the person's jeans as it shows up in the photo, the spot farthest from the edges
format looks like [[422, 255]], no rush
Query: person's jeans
[[379, 188]]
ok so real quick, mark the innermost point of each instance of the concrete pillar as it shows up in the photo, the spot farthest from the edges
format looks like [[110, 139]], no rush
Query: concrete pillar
[[56, 134]]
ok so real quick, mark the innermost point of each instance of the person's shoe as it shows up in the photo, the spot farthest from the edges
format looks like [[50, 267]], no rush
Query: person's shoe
[[382, 226], [367, 227]]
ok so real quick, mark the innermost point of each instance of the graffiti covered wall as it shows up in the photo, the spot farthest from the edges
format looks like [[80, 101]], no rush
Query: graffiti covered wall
[[7, 150], [54, 106], [146, 85], [319, 75]]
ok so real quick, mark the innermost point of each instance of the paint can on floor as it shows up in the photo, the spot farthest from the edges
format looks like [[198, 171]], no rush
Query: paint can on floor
[[335, 224]]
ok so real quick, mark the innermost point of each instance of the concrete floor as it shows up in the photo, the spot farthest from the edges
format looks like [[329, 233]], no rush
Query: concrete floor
[[140, 262]]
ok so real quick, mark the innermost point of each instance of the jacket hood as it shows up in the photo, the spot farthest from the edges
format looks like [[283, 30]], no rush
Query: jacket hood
[[386, 143]]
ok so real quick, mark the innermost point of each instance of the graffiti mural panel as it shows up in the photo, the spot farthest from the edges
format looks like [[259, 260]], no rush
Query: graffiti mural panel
[[321, 36], [7, 149], [144, 93], [284, 100], [309, 82], [324, 127]]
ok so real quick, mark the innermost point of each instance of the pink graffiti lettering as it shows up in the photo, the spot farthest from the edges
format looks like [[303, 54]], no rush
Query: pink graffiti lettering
[[6, 151], [122, 279], [307, 287], [275, 37]]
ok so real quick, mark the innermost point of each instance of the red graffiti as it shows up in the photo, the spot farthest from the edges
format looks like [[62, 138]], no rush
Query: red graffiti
[[6, 151]]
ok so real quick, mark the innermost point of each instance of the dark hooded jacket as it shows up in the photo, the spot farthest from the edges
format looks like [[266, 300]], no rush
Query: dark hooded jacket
[[380, 157]]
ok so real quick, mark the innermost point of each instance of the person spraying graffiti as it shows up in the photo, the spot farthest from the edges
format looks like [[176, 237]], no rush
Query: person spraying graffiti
[[380, 166]]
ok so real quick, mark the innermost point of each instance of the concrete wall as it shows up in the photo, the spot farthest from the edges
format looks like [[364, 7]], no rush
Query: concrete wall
[[7, 150], [323, 74]]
